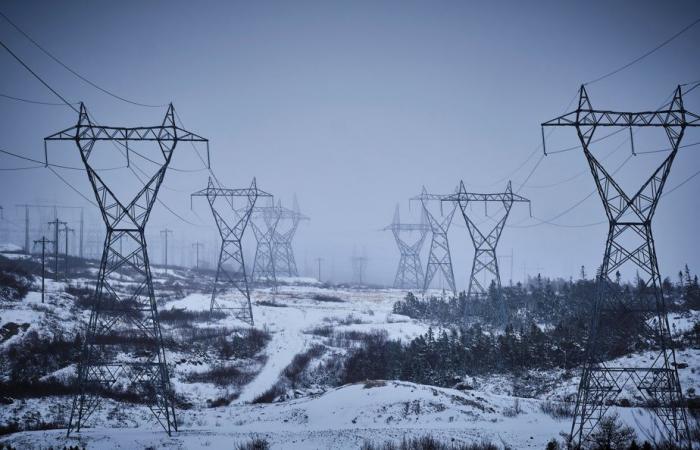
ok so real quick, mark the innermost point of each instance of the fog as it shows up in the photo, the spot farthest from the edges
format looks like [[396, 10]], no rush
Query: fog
[[352, 108]]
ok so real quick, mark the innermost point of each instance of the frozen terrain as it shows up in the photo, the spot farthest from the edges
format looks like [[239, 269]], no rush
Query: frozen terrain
[[316, 417]]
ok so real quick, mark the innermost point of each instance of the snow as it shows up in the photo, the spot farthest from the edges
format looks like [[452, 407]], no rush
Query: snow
[[342, 417], [8, 247]]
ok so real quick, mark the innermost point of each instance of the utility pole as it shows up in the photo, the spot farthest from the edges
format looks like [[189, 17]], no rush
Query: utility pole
[[318, 261], [43, 241], [56, 224], [197, 245], [165, 233], [55, 209], [67, 230]]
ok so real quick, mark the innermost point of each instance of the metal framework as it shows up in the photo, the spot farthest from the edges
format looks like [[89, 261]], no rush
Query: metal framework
[[120, 320], [485, 243], [285, 264], [264, 221], [439, 257], [630, 244], [409, 274], [230, 270]]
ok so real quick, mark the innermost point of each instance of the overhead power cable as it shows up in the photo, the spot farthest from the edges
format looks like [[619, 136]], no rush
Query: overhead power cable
[[65, 66], [35, 102], [641, 57], [131, 166]]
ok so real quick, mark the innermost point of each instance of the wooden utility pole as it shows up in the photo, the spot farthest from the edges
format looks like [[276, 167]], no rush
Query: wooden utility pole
[[196, 246], [43, 241], [165, 233], [56, 224], [318, 261]]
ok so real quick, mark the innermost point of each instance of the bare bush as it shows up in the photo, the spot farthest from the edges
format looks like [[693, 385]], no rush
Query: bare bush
[[427, 443], [557, 410]]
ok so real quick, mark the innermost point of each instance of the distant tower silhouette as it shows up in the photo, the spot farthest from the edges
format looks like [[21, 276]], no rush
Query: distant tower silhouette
[[409, 274]]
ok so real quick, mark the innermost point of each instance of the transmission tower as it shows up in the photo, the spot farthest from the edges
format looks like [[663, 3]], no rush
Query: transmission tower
[[439, 258], [264, 222], [485, 242], [118, 317], [630, 244], [409, 274], [230, 270], [285, 264]]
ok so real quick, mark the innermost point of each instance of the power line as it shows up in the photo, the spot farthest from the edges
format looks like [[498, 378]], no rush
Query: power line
[[59, 166], [72, 187], [572, 207], [639, 58], [35, 102], [38, 77], [21, 168], [74, 109], [50, 55]]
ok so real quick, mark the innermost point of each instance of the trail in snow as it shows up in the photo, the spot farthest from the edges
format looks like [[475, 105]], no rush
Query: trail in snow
[[288, 339]]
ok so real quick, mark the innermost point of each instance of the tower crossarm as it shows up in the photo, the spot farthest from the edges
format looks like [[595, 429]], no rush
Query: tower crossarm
[[605, 118], [407, 227]]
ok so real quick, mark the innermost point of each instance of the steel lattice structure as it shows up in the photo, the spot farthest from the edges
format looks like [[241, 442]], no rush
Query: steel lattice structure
[[409, 274], [230, 270], [630, 244], [119, 319], [264, 221], [485, 243], [285, 263], [439, 257]]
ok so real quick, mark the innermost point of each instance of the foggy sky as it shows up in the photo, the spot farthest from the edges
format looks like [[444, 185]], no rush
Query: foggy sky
[[355, 106]]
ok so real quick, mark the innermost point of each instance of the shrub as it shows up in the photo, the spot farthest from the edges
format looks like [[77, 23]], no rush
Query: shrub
[[557, 410], [254, 444], [270, 395], [327, 298], [426, 443], [221, 375]]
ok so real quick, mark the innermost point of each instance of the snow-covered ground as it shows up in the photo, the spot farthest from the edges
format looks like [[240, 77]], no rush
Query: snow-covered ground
[[342, 417]]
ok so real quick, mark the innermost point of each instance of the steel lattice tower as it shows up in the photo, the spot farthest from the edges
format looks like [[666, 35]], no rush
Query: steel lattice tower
[[630, 244], [285, 264], [264, 221], [118, 318], [439, 258], [230, 270], [409, 274], [485, 243]]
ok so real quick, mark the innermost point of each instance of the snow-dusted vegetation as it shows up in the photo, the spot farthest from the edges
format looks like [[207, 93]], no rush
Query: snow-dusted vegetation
[[326, 367]]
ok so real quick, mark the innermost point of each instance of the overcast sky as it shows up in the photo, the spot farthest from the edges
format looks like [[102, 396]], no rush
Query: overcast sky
[[355, 106]]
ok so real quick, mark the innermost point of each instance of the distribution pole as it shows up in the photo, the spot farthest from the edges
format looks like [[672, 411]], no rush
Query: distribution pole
[[628, 320], [165, 233], [43, 241], [197, 246], [318, 261], [67, 230], [56, 224]]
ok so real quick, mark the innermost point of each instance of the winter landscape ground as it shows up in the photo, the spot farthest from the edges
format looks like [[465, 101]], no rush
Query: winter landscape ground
[[282, 380]]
